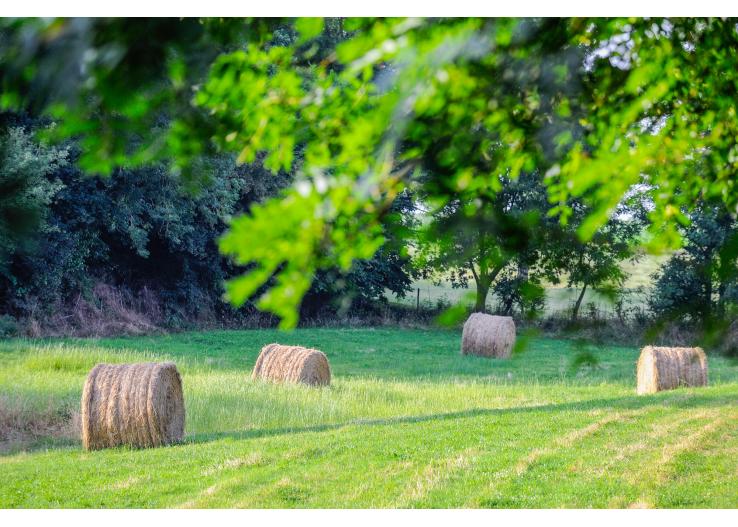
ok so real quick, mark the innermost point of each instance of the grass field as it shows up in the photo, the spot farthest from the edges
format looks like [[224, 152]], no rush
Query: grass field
[[559, 300], [408, 422]]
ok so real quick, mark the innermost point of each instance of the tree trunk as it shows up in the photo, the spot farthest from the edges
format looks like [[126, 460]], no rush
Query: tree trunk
[[523, 272], [483, 279], [575, 312], [482, 291], [721, 299], [708, 294]]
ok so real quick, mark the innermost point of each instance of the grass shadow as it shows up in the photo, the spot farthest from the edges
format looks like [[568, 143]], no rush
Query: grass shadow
[[634, 402], [10, 448]]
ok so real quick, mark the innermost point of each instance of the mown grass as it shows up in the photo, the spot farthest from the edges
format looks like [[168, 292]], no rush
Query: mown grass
[[407, 422]]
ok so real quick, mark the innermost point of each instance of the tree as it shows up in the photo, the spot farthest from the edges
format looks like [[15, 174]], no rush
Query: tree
[[466, 241], [597, 105], [25, 191], [135, 229], [522, 289], [698, 283], [596, 262]]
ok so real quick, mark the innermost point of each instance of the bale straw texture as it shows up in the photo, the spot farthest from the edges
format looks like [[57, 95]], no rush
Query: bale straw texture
[[140, 405], [293, 364], [488, 336], [669, 368]]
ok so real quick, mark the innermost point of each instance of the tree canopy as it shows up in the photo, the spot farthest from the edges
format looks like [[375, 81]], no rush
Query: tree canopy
[[363, 110]]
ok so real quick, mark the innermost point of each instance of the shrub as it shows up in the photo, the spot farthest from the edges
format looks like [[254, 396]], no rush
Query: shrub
[[8, 326]]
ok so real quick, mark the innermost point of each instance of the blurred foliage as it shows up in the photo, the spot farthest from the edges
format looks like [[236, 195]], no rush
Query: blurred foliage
[[583, 358], [375, 107], [658, 110], [370, 280], [114, 83]]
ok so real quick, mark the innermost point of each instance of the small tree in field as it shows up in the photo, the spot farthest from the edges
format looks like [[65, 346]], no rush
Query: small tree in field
[[596, 264], [505, 235]]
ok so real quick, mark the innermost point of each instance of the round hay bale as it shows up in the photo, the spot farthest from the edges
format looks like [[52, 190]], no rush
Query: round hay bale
[[293, 364], [661, 368], [488, 336], [139, 405]]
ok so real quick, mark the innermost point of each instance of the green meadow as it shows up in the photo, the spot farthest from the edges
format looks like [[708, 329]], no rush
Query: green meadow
[[407, 422]]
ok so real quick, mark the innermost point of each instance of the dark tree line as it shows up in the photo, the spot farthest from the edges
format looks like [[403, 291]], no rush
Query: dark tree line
[[63, 232]]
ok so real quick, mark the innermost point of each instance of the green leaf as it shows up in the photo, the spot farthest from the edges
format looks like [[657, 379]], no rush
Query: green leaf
[[309, 27]]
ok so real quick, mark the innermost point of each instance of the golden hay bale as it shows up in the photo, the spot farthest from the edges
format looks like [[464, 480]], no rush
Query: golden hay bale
[[669, 368], [488, 336], [139, 405], [292, 364]]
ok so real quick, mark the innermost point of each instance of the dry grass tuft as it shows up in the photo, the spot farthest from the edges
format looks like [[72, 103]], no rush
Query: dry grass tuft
[[435, 474], [140, 405], [252, 460], [488, 336], [293, 364], [109, 311], [21, 426], [661, 368]]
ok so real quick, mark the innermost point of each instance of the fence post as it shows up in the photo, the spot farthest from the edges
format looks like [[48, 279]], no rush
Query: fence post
[[417, 303]]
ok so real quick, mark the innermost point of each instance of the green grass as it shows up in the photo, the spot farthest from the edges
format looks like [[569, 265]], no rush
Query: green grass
[[407, 422]]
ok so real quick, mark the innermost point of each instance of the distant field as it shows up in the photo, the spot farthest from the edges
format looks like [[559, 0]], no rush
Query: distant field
[[407, 422], [558, 298]]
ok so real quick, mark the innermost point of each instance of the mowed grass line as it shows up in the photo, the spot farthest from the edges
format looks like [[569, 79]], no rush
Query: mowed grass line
[[408, 422]]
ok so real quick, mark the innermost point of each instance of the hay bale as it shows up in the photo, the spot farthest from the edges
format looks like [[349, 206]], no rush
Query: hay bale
[[292, 364], [488, 336], [668, 368], [140, 405]]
